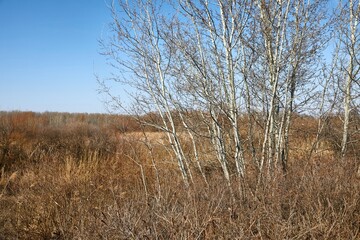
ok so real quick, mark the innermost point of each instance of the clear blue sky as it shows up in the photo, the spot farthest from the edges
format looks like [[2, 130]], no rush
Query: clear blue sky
[[49, 53]]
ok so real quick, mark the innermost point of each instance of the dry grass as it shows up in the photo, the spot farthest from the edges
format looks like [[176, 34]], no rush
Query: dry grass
[[98, 185]]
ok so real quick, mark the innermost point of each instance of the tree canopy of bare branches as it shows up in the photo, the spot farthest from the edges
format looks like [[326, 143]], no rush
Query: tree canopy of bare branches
[[232, 74]]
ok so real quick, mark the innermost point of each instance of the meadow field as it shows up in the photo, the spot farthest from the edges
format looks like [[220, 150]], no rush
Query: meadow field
[[98, 176]]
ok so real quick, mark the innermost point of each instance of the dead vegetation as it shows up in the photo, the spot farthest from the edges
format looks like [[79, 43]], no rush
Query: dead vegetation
[[82, 179]]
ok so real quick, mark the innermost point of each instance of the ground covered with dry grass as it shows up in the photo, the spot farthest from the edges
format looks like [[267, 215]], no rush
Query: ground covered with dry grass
[[91, 181]]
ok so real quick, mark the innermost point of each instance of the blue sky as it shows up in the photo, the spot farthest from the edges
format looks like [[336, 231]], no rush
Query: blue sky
[[49, 53]]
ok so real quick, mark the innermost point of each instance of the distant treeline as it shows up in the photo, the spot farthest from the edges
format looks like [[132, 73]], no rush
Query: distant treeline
[[33, 120]]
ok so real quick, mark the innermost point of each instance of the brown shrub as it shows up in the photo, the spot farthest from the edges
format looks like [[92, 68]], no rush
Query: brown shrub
[[83, 181]]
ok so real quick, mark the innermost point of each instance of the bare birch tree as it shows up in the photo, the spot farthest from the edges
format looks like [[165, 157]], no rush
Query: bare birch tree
[[293, 38], [349, 33], [142, 57], [201, 64], [214, 56]]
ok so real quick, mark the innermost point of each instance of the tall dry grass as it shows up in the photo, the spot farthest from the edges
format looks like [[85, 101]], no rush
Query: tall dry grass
[[80, 182]]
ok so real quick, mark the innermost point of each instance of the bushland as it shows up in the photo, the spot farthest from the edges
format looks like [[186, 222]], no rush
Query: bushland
[[98, 176]]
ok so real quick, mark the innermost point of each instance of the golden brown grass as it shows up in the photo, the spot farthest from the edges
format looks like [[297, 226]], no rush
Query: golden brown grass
[[80, 182]]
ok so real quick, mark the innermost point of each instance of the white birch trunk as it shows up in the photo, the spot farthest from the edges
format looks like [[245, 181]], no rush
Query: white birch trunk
[[351, 71]]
